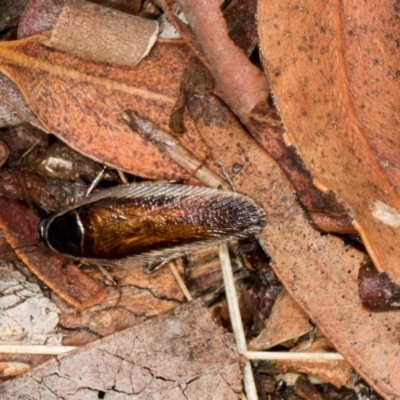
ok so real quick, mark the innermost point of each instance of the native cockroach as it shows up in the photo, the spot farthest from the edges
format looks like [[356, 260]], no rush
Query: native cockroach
[[149, 223]]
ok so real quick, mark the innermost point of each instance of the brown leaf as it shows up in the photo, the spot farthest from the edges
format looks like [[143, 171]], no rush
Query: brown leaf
[[286, 322], [333, 72], [306, 390], [178, 355], [377, 291], [319, 271], [82, 102], [137, 297]]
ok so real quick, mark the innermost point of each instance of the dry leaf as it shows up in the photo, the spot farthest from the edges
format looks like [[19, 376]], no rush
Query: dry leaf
[[306, 390], [26, 314], [8, 369], [333, 70], [241, 84], [319, 271], [137, 297], [10, 95], [102, 34], [8, 117], [39, 16], [181, 355], [286, 322], [82, 102], [336, 372]]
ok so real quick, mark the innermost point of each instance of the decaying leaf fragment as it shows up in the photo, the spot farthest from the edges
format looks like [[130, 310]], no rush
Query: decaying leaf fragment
[[102, 34], [8, 116], [286, 322], [333, 69], [27, 316], [182, 354], [8, 369]]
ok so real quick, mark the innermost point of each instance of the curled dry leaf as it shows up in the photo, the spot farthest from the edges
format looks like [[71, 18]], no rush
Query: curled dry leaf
[[39, 16], [241, 84], [103, 34], [333, 69]]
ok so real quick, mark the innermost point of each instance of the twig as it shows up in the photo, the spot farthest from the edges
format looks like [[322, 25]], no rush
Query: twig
[[96, 180], [275, 355], [169, 145], [35, 349], [236, 319], [180, 281], [122, 176]]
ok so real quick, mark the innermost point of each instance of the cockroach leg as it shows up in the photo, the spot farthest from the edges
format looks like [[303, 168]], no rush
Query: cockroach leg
[[226, 176], [151, 267]]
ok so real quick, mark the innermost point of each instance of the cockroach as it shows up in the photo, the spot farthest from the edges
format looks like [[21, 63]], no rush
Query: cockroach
[[149, 223]]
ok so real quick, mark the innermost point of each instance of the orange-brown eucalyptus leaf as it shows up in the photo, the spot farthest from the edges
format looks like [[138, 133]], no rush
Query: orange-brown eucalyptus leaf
[[82, 102], [319, 271], [333, 69]]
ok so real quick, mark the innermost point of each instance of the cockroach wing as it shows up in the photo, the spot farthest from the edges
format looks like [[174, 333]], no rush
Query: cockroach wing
[[154, 222]]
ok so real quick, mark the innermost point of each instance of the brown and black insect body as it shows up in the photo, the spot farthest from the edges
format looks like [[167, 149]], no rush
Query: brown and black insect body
[[150, 223]]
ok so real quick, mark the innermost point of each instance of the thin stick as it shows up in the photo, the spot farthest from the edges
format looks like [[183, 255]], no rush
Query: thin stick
[[96, 181], [169, 145], [236, 320], [35, 349], [122, 176], [274, 355], [180, 281]]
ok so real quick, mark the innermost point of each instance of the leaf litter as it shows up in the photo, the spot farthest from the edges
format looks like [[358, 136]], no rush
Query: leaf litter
[[319, 271]]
